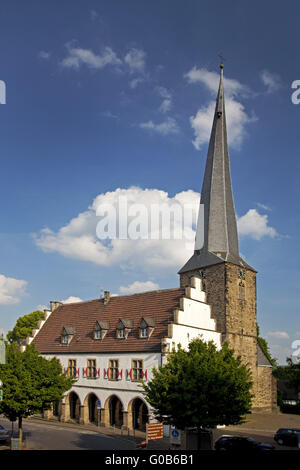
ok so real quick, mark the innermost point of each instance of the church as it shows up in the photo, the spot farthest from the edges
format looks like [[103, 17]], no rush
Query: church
[[110, 343]]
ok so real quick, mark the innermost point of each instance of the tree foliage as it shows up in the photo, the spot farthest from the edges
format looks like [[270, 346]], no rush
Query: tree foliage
[[290, 373], [31, 383], [201, 387], [24, 326]]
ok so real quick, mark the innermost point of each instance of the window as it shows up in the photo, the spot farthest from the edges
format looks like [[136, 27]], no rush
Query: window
[[143, 333], [113, 369], [64, 339], [72, 368], [137, 369], [121, 333], [91, 368], [241, 292], [98, 333]]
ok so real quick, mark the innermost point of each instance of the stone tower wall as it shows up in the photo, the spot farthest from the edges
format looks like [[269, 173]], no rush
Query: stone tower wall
[[231, 291]]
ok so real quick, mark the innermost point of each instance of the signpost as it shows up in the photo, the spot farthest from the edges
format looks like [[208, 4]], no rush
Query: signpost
[[154, 431], [175, 437]]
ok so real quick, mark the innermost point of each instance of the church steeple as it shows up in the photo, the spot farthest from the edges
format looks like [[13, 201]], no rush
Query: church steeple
[[220, 225]]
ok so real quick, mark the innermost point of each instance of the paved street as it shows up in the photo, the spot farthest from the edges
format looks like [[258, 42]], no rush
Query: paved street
[[40, 435], [44, 436]]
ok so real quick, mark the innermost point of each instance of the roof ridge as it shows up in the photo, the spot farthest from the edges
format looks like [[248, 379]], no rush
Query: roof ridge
[[125, 295]]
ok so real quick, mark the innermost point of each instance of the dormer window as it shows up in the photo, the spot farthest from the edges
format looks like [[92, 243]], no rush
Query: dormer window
[[124, 327], [67, 335], [101, 328], [147, 326]]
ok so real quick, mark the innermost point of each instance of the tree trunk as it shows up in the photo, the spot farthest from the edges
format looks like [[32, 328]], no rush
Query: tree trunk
[[20, 429]]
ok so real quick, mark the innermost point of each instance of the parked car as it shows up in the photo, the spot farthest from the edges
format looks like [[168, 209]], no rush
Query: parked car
[[287, 436], [241, 443], [4, 434]]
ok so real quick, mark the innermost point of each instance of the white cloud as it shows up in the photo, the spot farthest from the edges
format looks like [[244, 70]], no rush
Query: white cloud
[[167, 99], [78, 240], [278, 334], [135, 82], [44, 55], [11, 289], [93, 15], [139, 286], [236, 116], [211, 80], [78, 56], [71, 300], [264, 206], [255, 225], [236, 120], [109, 114], [155, 256], [271, 80], [135, 59], [169, 126]]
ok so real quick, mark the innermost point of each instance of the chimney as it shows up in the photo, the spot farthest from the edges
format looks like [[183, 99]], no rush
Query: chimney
[[54, 305], [106, 297]]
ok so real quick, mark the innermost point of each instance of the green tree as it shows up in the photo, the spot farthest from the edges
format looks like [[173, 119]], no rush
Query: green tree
[[265, 348], [200, 387], [290, 373], [24, 326], [31, 383]]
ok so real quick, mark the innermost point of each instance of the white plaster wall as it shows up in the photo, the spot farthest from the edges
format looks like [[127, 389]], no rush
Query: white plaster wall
[[124, 389], [184, 334], [195, 314]]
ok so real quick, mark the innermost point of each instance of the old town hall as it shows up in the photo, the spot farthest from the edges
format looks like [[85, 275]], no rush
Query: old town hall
[[110, 343]]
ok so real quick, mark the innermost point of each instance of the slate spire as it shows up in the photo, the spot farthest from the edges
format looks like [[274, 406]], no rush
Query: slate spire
[[220, 225]]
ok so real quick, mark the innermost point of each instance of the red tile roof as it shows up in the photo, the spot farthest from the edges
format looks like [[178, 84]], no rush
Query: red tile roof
[[83, 316]]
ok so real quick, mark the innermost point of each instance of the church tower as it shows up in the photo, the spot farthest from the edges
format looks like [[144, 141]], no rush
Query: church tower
[[229, 282]]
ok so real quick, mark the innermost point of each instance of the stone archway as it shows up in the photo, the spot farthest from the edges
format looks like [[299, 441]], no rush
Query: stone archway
[[114, 411], [90, 409], [73, 405], [138, 414]]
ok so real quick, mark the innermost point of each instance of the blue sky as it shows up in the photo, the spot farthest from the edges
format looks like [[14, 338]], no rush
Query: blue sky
[[102, 95]]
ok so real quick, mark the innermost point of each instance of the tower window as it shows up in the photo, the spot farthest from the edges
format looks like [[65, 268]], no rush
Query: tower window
[[241, 291]]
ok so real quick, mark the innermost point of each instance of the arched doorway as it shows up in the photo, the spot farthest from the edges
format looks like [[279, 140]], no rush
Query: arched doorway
[[115, 412], [74, 404], [139, 414], [92, 407]]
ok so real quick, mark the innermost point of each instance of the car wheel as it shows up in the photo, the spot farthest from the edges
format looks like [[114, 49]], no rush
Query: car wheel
[[280, 442]]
